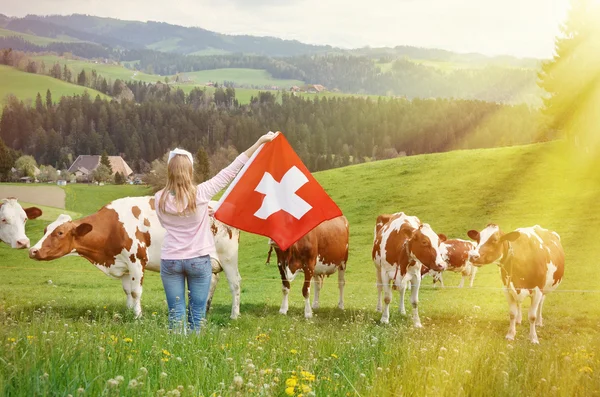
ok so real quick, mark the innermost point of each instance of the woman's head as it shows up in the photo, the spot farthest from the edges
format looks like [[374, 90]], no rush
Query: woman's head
[[180, 183]]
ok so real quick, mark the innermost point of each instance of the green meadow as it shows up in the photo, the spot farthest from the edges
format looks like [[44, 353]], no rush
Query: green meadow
[[64, 328], [39, 40], [27, 85]]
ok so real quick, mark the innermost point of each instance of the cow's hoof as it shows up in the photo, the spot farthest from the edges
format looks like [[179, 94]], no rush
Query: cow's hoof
[[385, 321], [234, 316], [403, 312], [315, 307], [510, 337], [284, 312], [308, 315], [341, 306], [378, 309], [539, 324], [535, 341], [418, 325]]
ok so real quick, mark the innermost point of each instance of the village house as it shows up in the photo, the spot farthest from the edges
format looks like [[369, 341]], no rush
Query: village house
[[84, 166]]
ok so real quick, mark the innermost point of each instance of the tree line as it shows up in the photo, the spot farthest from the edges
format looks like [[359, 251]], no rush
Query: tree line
[[325, 132]]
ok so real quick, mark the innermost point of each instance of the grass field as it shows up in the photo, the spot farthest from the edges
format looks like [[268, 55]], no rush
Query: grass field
[[39, 40], [240, 76], [112, 72], [64, 326], [26, 85]]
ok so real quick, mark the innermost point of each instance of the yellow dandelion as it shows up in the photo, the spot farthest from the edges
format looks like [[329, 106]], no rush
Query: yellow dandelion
[[289, 391], [294, 351], [164, 360], [166, 352], [30, 337], [334, 355], [306, 389], [586, 369], [291, 382], [128, 340]]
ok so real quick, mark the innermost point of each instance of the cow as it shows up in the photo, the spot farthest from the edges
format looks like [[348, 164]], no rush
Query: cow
[[531, 264], [317, 254], [12, 222], [401, 246], [124, 238], [456, 255]]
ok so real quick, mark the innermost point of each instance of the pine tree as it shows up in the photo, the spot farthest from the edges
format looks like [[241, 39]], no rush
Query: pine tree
[[81, 78], [106, 162], [571, 78], [119, 178], [39, 105], [201, 166], [48, 99], [6, 161]]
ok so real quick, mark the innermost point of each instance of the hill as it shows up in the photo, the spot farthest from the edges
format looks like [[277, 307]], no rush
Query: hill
[[27, 85], [158, 35], [462, 342]]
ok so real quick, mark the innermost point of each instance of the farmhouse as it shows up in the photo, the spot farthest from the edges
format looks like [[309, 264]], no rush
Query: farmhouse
[[84, 165]]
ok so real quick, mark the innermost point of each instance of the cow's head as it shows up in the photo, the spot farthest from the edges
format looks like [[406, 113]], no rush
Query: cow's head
[[12, 222], [60, 239], [490, 244], [425, 246]]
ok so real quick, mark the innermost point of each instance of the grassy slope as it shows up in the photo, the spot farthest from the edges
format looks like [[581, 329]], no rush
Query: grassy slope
[[460, 351], [240, 76], [112, 72], [39, 40], [27, 85]]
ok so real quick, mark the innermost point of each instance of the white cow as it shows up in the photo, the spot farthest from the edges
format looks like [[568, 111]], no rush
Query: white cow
[[12, 222]]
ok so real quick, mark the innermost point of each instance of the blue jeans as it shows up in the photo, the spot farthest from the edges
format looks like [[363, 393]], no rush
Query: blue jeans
[[198, 272]]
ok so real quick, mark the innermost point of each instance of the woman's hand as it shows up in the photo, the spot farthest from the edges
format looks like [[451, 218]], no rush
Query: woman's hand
[[268, 137]]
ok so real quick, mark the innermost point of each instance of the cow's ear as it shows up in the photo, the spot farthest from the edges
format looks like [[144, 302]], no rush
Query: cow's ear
[[442, 237], [473, 235], [33, 212], [82, 230], [512, 236]]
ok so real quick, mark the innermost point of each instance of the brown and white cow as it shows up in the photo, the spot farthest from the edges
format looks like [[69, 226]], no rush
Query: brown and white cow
[[402, 245], [531, 264], [124, 240], [12, 222], [455, 253], [319, 253]]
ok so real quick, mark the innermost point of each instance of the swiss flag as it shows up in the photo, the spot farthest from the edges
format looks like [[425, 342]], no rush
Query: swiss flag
[[275, 195]]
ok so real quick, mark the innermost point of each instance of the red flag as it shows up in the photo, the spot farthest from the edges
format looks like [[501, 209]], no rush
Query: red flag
[[275, 195]]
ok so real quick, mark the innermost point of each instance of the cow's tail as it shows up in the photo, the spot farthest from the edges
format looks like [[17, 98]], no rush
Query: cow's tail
[[269, 255]]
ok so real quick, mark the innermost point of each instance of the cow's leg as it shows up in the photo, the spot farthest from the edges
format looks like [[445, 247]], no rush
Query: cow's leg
[[136, 273], [285, 289], [306, 290], [464, 275], [540, 321], [213, 286], [438, 277], [513, 311], [387, 289], [233, 277], [379, 288], [519, 313], [126, 281], [402, 286], [414, 299], [536, 299], [317, 284], [473, 272], [341, 284]]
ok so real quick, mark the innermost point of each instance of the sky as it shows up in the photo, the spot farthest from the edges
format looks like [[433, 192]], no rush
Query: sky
[[524, 28]]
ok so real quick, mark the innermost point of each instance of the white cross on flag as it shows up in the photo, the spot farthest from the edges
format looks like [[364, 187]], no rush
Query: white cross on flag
[[275, 195]]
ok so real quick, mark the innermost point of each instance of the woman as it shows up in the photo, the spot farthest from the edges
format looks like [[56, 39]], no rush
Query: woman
[[182, 209]]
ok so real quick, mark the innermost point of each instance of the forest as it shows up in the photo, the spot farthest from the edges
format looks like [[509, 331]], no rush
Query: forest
[[325, 132]]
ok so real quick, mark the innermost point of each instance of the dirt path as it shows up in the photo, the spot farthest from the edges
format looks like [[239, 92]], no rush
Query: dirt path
[[51, 196]]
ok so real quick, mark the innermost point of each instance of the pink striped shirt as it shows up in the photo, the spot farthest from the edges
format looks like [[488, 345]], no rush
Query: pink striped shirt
[[190, 236]]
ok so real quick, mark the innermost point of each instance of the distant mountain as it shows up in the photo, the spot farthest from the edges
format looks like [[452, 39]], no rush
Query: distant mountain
[[159, 36]]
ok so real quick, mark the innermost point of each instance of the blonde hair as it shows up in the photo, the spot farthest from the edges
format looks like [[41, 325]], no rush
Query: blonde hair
[[180, 184]]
